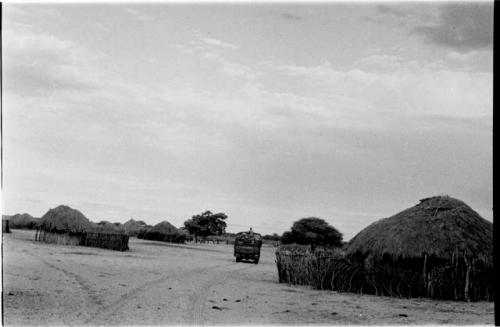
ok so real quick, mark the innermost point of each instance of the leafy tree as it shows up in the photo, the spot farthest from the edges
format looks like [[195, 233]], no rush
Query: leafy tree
[[312, 231], [206, 224]]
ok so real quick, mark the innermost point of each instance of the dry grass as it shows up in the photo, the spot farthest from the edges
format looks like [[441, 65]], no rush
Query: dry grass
[[300, 266]]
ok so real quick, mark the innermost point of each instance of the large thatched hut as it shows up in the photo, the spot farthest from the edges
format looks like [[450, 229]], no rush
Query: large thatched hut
[[440, 248], [165, 232], [64, 225]]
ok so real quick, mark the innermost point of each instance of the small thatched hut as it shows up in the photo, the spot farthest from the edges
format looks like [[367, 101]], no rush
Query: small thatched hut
[[134, 227], [440, 248], [63, 225], [165, 232]]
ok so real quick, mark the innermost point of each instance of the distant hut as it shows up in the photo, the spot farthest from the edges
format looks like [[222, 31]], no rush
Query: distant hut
[[63, 225], [165, 232], [22, 221], [440, 249], [134, 227], [105, 226]]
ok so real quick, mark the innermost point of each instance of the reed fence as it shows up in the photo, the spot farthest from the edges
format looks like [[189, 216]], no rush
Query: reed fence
[[111, 241], [459, 279]]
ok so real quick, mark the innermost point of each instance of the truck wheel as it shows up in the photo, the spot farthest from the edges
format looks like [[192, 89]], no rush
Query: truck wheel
[[238, 259], [256, 261]]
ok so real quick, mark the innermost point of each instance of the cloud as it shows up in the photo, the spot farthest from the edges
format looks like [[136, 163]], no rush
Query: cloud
[[218, 43], [230, 68], [138, 15], [213, 50], [382, 61], [404, 15], [40, 63], [391, 10], [399, 91], [463, 27], [291, 17]]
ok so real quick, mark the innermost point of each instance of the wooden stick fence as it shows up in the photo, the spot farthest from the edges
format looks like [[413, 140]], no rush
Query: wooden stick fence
[[117, 242]]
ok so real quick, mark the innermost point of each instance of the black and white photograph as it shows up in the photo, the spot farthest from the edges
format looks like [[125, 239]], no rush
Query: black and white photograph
[[247, 163]]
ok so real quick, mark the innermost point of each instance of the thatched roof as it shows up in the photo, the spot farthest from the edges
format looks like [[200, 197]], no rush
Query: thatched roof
[[164, 228], [133, 226], [436, 226], [64, 219]]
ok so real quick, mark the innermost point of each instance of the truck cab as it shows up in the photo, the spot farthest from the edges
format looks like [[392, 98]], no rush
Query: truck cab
[[247, 246]]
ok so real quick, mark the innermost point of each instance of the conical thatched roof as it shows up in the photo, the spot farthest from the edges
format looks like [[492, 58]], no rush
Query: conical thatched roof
[[164, 228], [437, 226], [64, 219]]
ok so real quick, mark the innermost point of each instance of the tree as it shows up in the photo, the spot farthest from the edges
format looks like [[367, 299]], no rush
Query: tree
[[206, 224], [312, 231]]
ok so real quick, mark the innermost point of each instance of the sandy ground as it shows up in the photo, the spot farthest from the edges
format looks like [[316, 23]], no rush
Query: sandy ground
[[161, 283]]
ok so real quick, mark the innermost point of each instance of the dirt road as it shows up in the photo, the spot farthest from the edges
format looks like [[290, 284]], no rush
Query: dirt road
[[161, 283]]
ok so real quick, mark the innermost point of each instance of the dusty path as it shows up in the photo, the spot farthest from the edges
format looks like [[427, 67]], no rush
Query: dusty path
[[159, 283]]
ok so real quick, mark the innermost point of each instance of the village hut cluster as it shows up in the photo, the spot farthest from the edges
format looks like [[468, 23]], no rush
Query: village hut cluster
[[67, 226], [439, 249], [164, 232]]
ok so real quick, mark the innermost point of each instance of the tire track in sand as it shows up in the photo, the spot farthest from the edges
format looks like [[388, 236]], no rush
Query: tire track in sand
[[198, 300], [132, 294], [92, 299]]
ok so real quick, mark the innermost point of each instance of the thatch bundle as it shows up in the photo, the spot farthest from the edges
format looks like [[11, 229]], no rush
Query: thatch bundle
[[440, 248], [165, 232], [64, 219]]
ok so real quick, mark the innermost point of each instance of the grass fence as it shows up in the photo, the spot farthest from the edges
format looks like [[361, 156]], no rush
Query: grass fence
[[301, 266], [331, 270]]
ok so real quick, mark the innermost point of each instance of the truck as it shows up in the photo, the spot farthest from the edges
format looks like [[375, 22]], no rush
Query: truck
[[247, 246]]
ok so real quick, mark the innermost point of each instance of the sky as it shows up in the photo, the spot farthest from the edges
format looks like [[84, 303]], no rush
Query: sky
[[266, 112]]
